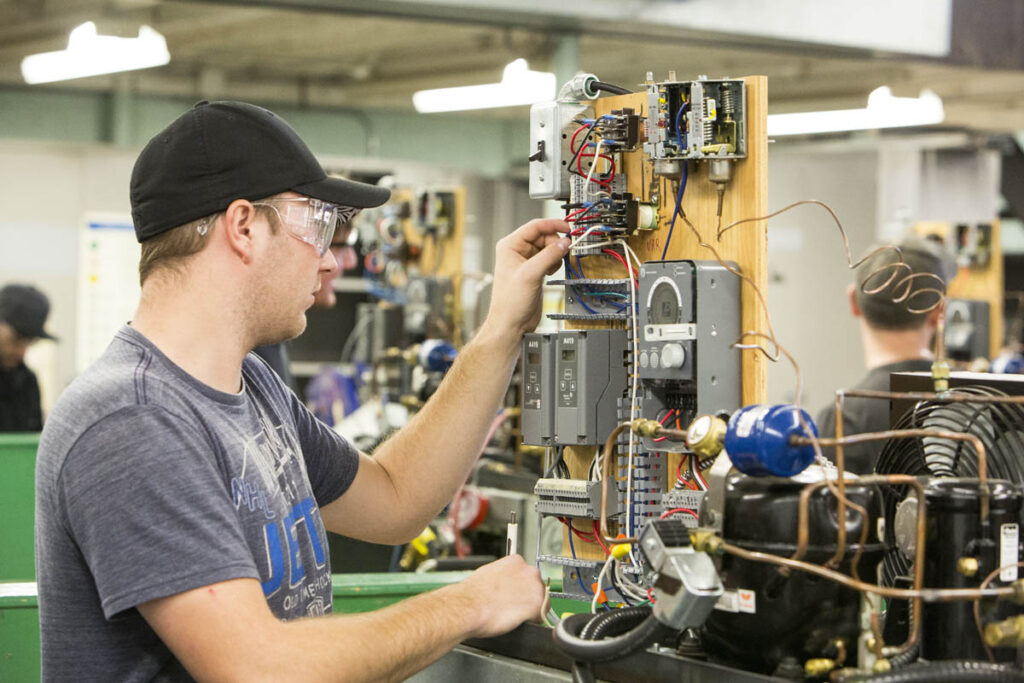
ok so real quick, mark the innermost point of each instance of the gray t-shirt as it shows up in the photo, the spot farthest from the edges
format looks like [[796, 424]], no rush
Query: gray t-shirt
[[150, 483]]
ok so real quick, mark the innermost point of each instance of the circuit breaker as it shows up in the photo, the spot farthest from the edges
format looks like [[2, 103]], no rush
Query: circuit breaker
[[591, 377], [689, 317], [538, 418]]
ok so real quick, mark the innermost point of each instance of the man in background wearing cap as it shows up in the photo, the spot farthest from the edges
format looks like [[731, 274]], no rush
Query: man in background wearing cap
[[183, 493], [23, 312], [895, 339]]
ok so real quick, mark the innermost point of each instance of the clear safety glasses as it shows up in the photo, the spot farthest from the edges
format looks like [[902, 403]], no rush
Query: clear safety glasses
[[311, 220]]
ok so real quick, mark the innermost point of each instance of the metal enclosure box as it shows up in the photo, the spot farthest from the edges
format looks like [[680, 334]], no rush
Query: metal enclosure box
[[538, 399], [549, 148], [591, 376], [689, 318]]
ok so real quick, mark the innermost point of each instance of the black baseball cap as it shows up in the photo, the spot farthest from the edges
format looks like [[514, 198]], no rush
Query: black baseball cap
[[25, 309], [218, 152]]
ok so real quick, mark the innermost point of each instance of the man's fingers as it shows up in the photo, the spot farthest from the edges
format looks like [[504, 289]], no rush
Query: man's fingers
[[545, 261], [538, 231]]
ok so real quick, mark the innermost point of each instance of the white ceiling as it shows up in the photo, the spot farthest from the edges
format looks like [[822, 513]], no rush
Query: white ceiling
[[330, 58]]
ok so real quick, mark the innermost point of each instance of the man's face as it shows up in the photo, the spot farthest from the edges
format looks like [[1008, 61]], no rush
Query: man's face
[[12, 346], [291, 273], [325, 296]]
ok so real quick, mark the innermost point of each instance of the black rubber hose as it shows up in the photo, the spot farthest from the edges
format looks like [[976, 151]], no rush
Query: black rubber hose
[[907, 658], [616, 622], [581, 673], [940, 672], [567, 636], [608, 87]]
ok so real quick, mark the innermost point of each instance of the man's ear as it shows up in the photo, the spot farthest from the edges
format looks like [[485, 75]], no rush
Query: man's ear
[[851, 294], [238, 228]]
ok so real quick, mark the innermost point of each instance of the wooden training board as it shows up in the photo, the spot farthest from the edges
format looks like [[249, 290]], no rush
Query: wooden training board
[[746, 196]]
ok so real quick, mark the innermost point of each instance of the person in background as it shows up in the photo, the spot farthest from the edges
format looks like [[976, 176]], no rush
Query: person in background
[[23, 313], [895, 339]]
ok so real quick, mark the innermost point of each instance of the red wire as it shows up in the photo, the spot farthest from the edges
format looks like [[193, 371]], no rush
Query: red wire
[[572, 141], [669, 513], [582, 535], [662, 421], [597, 535], [621, 260], [579, 168]]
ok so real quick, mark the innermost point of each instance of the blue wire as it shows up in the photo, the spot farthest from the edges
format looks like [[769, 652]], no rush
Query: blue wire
[[682, 181], [679, 203], [679, 134]]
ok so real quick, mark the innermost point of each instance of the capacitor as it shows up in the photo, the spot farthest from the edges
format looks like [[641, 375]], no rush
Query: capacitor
[[758, 440]]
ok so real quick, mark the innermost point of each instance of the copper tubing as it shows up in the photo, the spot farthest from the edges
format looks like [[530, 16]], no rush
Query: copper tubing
[[841, 500], [923, 594], [979, 448], [606, 473], [803, 530]]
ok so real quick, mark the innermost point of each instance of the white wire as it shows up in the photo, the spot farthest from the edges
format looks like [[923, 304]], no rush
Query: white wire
[[632, 399], [600, 582], [593, 165], [589, 230], [627, 585]]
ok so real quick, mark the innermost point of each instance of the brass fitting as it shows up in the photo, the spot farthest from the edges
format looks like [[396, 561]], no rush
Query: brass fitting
[[881, 666], [940, 376], [535, 451], [967, 566], [1006, 633], [706, 435], [1018, 592], [645, 427], [705, 541], [816, 668], [411, 355], [410, 401]]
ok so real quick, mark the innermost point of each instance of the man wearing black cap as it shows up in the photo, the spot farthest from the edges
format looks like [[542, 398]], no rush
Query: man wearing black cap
[[183, 493], [23, 312], [895, 337]]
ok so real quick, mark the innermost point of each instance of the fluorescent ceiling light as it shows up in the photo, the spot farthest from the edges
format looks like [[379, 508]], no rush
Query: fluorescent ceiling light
[[90, 54], [883, 111], [518, 86]]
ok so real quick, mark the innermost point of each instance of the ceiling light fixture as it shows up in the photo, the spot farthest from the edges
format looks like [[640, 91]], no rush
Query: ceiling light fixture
[[883, 111], [518, 86], [90, 54]]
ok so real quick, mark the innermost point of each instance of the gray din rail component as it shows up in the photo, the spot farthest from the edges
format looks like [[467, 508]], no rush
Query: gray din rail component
[[590, 378]]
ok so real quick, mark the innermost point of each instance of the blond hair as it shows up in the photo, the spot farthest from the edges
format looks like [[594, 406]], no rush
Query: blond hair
[[172, 248]]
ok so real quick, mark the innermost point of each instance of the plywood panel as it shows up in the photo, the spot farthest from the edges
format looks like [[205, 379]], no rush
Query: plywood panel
[[747, 245]]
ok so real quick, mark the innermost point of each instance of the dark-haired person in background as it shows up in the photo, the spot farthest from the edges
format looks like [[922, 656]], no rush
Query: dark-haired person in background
[[894, 338], [23, 312]]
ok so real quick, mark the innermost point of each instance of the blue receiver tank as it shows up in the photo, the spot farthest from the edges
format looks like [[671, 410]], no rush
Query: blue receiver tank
[[437, 355], [757, 441]]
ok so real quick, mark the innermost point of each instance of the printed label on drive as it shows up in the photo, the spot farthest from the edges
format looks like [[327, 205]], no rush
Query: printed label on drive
[[1009, 536]]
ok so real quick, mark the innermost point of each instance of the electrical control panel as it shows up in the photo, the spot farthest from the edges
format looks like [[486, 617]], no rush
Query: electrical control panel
[[688, 318], [538, 387], [435, 213], [590, 376], [702, 119]]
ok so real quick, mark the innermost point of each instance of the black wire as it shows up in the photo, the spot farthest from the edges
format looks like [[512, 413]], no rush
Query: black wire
[[613, 89], [555, 463], [583, 144]]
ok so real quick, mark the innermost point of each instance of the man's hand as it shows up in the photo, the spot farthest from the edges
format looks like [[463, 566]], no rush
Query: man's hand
[[522, 259], [507, 592]]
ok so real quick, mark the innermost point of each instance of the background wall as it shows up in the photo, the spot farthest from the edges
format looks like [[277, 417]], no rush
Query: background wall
[[878, 187]]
